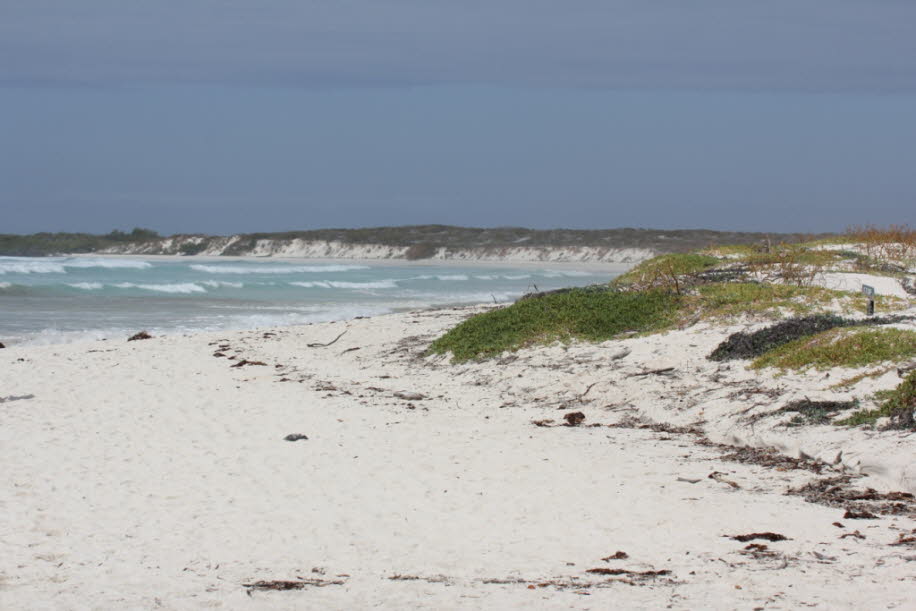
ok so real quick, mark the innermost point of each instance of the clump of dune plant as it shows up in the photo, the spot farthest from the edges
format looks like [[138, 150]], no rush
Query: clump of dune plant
[[595, 314], [842, 348], [899, 405], [897, 242], [668, 272]]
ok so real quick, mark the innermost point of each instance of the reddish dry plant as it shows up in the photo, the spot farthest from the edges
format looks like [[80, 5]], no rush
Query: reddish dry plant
[[894, 242]]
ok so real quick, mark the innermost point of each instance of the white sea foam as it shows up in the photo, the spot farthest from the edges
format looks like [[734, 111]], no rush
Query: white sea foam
[[186, 287], [87, 286], [107, 263], [444, 277], [221, 283], [274, 269], [568, 273], [30, 266], [448, 277], [38, 265], [379, 284], [5, 285], [516, 276]]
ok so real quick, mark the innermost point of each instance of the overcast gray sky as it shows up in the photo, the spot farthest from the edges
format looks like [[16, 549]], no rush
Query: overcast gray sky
[[225, 116]]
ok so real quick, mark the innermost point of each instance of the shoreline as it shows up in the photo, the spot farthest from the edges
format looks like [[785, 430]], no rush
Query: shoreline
[[482, 263], [90, 336]]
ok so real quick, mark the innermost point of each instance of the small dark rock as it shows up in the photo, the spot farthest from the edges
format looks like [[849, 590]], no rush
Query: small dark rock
[[574, 418], [140, 335], [1, 345], [295, 437]]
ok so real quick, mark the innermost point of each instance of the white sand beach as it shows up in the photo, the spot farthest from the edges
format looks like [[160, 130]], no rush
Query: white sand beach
[[156, 474]]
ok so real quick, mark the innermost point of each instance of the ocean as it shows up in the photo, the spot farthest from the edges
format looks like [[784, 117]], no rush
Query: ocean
[[51, 300]]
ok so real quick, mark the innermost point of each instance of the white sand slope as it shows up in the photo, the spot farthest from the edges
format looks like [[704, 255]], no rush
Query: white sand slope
[[152, 474]]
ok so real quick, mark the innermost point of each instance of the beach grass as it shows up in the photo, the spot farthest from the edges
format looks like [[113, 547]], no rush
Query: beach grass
[[731, 299], [841, 347]]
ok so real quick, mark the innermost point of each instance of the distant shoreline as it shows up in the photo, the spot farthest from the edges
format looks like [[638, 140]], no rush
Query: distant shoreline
[[592, 266]]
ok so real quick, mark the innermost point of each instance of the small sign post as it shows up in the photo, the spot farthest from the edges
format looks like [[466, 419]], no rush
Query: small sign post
[[869, 291]]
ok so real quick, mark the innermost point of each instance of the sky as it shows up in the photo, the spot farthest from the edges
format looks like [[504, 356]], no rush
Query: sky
[[223, 116]]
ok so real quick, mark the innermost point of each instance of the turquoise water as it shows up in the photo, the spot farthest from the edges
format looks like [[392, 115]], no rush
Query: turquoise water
[[62, 299]]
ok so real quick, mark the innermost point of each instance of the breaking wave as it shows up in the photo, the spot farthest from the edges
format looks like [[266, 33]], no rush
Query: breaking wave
[[28, 265], [444, 277], [183, 288], [327, 284], [107, 263], [274, 269], [215, 284]]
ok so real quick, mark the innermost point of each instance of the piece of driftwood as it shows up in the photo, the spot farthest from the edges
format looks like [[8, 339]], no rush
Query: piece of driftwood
[[245, 362], [661, 371], [320, 345], [585, 392], [284, 584]]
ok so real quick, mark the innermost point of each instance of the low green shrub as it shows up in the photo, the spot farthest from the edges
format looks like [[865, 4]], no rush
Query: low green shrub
[[593, 314]]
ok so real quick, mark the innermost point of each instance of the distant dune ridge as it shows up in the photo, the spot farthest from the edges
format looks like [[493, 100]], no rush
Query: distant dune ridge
[[438, 242]]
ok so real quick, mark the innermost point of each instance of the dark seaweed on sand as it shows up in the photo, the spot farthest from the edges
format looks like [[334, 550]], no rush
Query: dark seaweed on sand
[[815, 412], [751, 345]]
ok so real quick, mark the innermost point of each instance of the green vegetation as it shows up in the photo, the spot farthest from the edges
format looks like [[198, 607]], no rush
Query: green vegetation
[[600, 313], [742, 345], [671, 272], [731, 249], [728, 299], [593, 314], [40, 244], [898, 405], [784, 254], [190, 248], [842, 348], [428, 238]]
